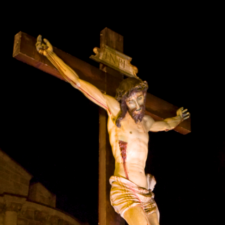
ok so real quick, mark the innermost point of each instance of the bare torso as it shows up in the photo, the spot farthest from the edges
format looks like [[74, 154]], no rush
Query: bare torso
[[136, 136]]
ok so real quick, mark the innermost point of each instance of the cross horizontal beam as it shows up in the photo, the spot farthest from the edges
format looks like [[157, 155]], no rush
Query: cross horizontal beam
[[24, 50]]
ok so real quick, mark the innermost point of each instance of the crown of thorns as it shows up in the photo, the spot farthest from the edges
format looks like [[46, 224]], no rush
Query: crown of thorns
[[129, 85]]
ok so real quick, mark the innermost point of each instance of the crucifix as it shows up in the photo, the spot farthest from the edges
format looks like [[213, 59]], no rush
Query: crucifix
[[105, 81]]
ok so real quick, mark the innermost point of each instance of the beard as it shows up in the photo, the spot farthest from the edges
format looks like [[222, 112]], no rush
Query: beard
[[137, 116], [124, 109]]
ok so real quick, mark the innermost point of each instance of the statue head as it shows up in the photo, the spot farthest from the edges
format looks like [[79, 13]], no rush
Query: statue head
[[131, 94]]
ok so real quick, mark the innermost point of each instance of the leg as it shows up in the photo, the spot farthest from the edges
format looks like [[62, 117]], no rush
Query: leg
[[136, 216], [153, 219]]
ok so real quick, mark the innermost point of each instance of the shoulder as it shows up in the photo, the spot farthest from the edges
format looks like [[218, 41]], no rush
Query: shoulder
[[148, 118], [113, 105], [148, 121]]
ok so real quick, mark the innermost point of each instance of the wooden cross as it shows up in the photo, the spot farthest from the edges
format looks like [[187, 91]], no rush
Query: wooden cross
[[107, 80]]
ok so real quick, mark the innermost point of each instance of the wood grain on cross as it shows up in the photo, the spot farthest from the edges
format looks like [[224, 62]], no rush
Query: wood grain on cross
[[107, 80]]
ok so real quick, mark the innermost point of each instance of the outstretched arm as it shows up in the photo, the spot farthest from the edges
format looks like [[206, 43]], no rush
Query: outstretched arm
[[169, 123], [91, 92]]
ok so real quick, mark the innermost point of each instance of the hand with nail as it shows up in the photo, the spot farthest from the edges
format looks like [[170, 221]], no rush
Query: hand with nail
[[43, 48]]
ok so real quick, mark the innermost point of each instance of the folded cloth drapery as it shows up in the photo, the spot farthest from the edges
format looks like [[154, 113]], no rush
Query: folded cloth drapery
[[125, 194]]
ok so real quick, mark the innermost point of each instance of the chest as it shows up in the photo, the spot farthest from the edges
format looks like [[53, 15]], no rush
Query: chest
[[131, 131]]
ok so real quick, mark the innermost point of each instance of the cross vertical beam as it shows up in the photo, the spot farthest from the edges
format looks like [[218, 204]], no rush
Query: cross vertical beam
[[106, 213]]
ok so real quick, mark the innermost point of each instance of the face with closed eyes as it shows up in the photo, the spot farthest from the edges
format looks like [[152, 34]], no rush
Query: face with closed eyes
[[136, 105]]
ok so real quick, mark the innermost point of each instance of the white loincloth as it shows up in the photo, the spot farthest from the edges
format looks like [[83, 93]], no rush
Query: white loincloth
[[125, 194]]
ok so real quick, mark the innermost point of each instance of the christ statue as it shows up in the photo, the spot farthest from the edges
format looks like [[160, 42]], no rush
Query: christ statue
[[131, 189]]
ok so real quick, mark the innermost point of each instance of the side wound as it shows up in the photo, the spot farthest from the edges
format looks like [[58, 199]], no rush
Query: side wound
[[123, 149]]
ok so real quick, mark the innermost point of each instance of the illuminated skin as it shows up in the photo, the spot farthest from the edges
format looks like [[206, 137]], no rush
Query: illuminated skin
[[134, 134]]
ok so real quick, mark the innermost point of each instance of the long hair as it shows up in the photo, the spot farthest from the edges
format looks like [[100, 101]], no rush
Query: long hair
[[126, 88]]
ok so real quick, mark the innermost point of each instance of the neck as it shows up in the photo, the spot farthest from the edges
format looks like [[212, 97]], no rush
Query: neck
[[130, 118]]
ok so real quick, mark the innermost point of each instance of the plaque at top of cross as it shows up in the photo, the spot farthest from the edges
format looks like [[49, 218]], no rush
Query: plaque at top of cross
[[115, 59]]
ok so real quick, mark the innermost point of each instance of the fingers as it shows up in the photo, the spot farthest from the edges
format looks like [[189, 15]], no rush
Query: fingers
[[185, 114], [43, 47], [38, 47], [39, 44], [48, 44], [185, 118], [39, 38], [46, 41]]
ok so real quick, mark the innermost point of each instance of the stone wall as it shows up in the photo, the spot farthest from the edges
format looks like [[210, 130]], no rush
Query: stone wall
[[38, 193], [13, 178], [16, 210], [25, 204]]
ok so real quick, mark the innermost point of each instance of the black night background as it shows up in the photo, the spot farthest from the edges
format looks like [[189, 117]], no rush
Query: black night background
[[51, 129]]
